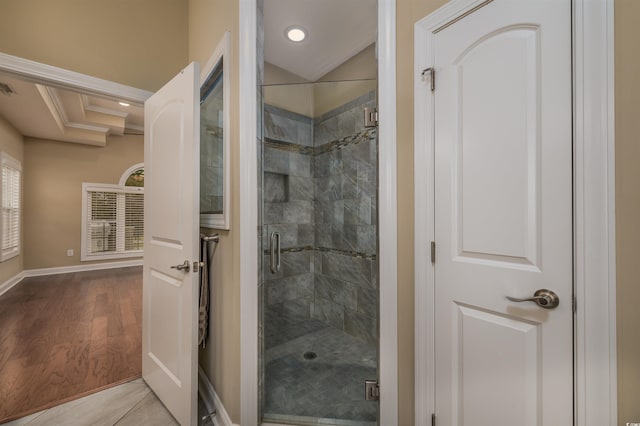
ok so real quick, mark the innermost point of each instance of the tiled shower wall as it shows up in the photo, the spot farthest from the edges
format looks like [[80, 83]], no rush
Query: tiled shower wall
[[320, 194]]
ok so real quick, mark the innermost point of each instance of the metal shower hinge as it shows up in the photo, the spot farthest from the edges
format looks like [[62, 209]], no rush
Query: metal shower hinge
[[371, 390], [370, 117]]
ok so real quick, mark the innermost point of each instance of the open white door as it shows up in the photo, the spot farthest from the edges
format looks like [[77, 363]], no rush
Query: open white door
[[170, 283], [503, 216]]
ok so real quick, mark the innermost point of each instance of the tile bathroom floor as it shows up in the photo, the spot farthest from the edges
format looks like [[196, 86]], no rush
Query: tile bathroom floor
[[328, 389], [129, 404]]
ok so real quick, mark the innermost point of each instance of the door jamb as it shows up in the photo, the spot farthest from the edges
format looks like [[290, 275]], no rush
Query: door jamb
[[595, 371], [387, 213]]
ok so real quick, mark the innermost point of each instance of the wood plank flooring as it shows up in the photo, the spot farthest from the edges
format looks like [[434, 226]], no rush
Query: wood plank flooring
[[65, 336]]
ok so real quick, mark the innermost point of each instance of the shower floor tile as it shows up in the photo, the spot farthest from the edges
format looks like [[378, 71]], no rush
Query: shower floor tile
[[328, 386]]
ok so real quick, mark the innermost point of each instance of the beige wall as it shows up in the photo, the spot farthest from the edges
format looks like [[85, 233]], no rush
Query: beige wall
[[141, 43], [208, 20], [361, 66], [53, 177], [12, 142], [353, 78], [627, 70]]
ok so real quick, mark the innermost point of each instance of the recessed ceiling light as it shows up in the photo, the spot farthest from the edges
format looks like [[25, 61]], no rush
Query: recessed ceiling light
[[295, 34], [123, 104]]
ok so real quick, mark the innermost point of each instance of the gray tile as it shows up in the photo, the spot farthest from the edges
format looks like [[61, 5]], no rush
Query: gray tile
[[350, 238], [328, 188], [280, 290], [351, 269], [279, 127], [276, 188], [24, 420], [367, 239], [306, 235], [305, 133], [337, 291], [150, 411], [300, 188], [347, 123], [367, 180], [328, 312], [365, 210], [103, 408], [361, 326], [317, 262], [289, 288], [300, 164], [368, 302], [296, 211], [276, 161], [325, 390], [296, 263], [323, 235], [273, 213]]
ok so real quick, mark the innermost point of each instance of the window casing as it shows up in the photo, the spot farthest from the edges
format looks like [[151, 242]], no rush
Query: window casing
[[112, 221], [11, 206]]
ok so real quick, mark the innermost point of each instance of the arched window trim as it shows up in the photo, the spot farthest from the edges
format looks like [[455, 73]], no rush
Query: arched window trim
[[129, 172]]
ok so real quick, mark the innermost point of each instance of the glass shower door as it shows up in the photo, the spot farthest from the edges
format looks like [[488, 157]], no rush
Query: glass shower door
[[319, 284]]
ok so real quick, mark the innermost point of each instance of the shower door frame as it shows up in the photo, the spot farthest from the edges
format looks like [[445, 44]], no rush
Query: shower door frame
[[387, 219]]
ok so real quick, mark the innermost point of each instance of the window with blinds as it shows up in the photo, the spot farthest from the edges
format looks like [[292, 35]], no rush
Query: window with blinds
[[11, 211], [113, 222]]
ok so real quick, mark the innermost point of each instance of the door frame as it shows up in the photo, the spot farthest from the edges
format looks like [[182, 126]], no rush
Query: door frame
[[38, 72], [388, 361], [595, 368]]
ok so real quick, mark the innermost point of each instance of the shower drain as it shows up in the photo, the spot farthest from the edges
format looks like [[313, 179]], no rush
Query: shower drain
[[309, 355]]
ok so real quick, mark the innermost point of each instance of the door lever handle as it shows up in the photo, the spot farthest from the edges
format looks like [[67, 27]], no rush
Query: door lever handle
[[544, 298], [185, 267]]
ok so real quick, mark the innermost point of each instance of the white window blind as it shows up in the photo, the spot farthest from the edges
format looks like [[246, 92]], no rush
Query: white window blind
[[113, 221], [11, 181]]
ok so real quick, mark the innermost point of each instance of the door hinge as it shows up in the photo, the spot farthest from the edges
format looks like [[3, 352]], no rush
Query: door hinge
[[371, 390], [433, 419], [574, 304], [431, 73], [370, 117], [433, 252]]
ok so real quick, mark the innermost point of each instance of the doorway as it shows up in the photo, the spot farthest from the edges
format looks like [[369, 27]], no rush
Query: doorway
[[320, 286], [94, 345], [588, 162]]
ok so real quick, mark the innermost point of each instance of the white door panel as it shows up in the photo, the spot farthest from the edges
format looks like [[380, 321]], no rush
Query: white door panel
[[170, 296], [503, 215]]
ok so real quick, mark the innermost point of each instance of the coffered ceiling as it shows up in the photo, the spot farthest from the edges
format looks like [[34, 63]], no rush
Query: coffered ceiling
[[46, 112], [336, 31]]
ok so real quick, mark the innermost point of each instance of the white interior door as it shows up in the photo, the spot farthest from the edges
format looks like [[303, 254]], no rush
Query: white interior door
[[170, 295], [503, 215]]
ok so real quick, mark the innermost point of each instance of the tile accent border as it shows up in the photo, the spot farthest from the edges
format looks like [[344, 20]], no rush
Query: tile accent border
[[326, 250], [365, 135]]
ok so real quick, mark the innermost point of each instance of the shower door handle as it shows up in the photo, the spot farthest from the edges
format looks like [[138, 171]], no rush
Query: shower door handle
[[275, 252]]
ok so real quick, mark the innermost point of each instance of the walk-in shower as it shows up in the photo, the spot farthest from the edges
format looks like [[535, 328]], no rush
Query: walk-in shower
[[319, 247], [318, 198]]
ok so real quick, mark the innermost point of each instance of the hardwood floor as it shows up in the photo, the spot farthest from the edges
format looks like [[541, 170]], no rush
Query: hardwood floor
[[68, 335]]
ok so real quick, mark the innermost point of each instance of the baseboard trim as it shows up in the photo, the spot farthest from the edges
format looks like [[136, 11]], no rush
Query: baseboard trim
[[212, 400], [11, 282], [81, 268]]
